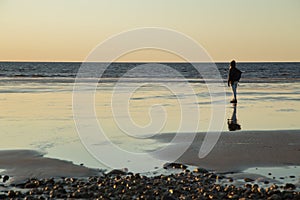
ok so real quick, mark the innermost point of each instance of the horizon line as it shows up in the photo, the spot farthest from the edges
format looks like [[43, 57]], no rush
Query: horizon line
[[56, 61]]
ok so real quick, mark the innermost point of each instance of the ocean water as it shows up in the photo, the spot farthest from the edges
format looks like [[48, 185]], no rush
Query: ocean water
[[61, 71], [36, 101]]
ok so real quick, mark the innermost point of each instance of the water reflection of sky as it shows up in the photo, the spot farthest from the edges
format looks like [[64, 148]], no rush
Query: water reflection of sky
[[39, 116]]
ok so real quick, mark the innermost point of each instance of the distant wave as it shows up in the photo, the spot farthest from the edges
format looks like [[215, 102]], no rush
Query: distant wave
[[66, 72]]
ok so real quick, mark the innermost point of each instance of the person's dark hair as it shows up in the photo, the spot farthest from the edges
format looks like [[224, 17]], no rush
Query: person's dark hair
[[232, 63]]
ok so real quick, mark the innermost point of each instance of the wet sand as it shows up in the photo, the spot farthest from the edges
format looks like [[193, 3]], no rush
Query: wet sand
[[44, 121], [23, 164], [32, 175], [234, 152], [237, 151]]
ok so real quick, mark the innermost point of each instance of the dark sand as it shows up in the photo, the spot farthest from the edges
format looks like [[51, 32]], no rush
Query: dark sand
[[237, 151], [23, 164], [234, 152]]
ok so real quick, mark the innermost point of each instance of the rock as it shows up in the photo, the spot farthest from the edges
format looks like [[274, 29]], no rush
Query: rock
[[273, 187], [262, 191], [275, 197], [253, 196], [49, 181], [248, 180], [117, 172], [233, 196], [287, 195], [29, 198], [200, 170], [76, 194], [254, 187], [167, 187], [31, 185], [5, 178], [174, 166], [11, 194], [130, 173], [167, 197], [212, 176], [289, 186], [297, 196]]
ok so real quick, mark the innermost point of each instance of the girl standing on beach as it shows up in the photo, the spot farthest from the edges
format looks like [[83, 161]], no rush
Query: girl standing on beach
[[233, 79]]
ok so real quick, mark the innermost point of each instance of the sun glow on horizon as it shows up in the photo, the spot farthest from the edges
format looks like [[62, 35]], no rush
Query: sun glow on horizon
[[63, 30]]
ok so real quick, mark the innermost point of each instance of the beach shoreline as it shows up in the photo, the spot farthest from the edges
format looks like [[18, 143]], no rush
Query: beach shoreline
[[228, 159], [40, 141], [178, 181], [233, 152]]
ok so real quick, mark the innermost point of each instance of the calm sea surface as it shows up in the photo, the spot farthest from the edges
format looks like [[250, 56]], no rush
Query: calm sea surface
[[253, 72]]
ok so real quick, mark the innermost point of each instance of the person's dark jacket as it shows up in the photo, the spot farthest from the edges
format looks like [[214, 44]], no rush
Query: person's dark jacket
[[234, 75]]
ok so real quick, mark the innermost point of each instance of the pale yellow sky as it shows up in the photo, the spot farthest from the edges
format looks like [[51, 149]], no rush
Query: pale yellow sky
[[67, 30]]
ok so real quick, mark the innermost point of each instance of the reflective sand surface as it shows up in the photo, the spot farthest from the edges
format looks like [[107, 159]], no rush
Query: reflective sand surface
[[35, 116]]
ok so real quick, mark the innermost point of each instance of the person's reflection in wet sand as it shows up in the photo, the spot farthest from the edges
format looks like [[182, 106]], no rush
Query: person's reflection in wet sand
[[232, 123]]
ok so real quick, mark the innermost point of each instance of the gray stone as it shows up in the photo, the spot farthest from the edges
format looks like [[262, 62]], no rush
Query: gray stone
[[274, 197], [174, 166], [248, 180], [289, 186], [5, 178]]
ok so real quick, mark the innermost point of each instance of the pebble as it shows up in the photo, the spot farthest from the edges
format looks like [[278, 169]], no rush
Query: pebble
[[5, 178], [174, 166], [248, 180], [32, 184], [200, 170], [288, 195], [11, 194], [274, 197], [117, 172], [289, 186], [119, 185]]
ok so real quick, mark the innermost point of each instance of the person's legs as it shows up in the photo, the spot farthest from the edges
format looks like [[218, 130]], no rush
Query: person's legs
[[234, 87]]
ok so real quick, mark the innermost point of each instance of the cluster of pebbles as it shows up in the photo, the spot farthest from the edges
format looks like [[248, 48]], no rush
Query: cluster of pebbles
[[117, 184]]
